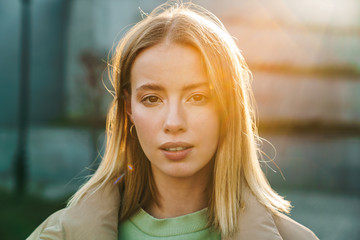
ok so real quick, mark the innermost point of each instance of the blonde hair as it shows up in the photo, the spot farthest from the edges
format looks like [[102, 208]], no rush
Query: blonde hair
[[236, 164]]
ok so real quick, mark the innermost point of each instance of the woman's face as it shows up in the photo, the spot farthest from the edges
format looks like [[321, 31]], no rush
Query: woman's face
[[175, 116]]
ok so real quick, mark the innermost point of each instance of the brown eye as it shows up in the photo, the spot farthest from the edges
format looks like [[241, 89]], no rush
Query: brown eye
[[198, 99], [151, 100]]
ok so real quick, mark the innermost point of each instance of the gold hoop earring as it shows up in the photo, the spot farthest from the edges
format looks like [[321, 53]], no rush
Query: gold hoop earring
[[131, 131]]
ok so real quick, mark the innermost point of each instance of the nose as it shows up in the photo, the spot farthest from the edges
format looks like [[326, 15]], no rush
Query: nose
[[175, 119]]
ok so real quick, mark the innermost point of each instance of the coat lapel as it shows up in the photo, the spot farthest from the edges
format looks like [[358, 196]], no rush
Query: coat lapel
[[95, 217], [255, 222]]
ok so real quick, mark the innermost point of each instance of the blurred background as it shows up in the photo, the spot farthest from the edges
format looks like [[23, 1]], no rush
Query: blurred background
[[305, 59]]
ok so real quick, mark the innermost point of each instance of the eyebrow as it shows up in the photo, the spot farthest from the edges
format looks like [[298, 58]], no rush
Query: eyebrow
[[156, 87], [150, 86], [195, 85]]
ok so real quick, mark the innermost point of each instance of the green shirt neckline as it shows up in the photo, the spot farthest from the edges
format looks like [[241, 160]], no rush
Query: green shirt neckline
[[189, 223]]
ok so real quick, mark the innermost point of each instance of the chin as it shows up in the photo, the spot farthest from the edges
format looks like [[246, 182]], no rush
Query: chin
[[182, 171], [181, 174]]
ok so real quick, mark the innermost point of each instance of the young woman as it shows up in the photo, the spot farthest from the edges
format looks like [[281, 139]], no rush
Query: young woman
[[181, 158]]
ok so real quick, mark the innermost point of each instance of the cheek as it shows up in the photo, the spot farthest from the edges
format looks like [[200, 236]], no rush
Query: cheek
[[145, 122], [207, 126]]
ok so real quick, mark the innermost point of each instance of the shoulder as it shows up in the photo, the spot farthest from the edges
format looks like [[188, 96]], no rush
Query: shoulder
[[290, 229], [95, 217], [51, 228]]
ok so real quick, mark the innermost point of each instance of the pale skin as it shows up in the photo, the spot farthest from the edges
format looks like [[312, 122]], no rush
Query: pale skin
[[171, 103]]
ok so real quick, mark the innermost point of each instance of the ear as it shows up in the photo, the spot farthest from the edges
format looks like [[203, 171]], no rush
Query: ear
[[128, 105]]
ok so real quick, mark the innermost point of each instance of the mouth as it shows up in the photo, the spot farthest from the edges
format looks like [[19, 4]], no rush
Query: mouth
[[175, 146], [176, 150]]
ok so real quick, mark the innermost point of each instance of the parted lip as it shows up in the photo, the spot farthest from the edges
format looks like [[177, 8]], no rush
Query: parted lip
[[175, 144]]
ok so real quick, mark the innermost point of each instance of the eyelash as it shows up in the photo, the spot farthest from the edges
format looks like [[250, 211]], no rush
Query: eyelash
[[202, 101], [146, 99]]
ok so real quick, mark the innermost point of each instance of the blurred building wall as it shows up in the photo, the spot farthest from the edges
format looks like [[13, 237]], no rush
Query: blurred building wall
[[48, 37], [9, 59], [304, 56]]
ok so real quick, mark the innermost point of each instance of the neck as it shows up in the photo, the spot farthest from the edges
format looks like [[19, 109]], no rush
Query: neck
[[180, 196]]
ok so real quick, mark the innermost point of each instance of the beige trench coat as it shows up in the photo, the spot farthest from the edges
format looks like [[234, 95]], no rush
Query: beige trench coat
[[97, 218]]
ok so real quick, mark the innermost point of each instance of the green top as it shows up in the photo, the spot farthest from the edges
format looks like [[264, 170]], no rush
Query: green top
[[143, 226]]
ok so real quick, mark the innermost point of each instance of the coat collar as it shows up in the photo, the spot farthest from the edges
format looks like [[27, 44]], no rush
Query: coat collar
[[255, 221], [99, 213]]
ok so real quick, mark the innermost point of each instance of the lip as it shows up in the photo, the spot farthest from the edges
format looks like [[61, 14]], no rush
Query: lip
[[175, 144], [176, 155]]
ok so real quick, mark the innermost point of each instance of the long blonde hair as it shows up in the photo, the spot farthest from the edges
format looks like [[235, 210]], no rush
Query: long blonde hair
[[236, 164]]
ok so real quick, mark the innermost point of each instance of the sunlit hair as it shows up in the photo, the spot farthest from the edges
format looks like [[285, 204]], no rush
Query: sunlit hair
[[236, 164]]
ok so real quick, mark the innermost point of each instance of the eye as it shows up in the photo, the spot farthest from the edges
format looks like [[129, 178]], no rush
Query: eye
[[198, 99], [151, 100]]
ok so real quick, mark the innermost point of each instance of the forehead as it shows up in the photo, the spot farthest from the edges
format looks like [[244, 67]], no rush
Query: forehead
[[169, 65]]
